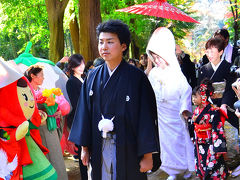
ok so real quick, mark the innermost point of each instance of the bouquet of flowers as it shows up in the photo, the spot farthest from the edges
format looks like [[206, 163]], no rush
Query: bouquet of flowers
[[53, 100]]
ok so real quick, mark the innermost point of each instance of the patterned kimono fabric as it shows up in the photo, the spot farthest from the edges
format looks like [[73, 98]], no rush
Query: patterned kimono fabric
[[231, 126], [209, 141]]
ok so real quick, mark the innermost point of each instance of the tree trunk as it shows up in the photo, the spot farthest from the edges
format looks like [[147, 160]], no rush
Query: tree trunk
[[74, 31], [134, 46], [66, 44], [235, 26], [55, 9], [135, 50], [70, 43], [89, 17]]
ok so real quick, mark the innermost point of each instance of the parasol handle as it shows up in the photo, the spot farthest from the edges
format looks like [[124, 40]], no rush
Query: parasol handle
[[29, 45]]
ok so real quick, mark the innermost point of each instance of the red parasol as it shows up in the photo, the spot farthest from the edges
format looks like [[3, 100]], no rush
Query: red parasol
[[159, 8]]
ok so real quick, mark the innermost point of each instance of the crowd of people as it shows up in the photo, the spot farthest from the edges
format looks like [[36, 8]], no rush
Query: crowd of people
[[130, 118], [172, 76]]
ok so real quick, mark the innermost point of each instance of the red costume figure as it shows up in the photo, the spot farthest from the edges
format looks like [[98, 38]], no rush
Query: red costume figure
[[18, 117]]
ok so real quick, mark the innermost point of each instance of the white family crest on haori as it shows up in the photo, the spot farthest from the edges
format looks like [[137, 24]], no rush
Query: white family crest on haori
[[105, 125], [90, 92], [7, 168]]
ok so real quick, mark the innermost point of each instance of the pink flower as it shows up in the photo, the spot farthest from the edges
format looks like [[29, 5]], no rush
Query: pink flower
[[211, 164], [214, 136]]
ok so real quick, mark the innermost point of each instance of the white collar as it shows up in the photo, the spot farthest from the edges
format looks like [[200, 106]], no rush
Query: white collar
[[216, 67], [111, 72], [81, 79]]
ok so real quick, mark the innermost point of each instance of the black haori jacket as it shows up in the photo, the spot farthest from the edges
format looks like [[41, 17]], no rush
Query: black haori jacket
[[129, 97]]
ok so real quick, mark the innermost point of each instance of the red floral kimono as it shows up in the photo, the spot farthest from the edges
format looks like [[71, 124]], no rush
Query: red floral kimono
[[209, 142], [14, 154]]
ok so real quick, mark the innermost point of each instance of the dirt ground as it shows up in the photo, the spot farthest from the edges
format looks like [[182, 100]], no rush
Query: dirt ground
[[73, 171], [72, 168]]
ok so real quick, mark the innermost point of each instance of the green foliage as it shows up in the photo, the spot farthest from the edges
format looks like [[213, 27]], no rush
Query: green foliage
[[141, 26], [230, 21], [23, 21]]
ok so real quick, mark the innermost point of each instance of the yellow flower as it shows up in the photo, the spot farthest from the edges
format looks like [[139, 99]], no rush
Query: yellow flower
[[46, 92]]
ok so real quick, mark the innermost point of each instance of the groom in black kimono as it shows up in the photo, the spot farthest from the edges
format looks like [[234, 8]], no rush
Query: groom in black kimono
[[118, 91]]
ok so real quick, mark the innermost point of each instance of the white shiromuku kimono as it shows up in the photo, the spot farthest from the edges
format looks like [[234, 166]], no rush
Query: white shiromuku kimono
[[173, 96]]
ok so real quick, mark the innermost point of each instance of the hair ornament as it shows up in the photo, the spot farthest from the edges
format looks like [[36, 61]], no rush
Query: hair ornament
[[203, 89]]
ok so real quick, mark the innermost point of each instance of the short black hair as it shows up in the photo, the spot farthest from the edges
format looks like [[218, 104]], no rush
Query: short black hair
[[116, 27], [74, 61], [222, 32], [216, 42]]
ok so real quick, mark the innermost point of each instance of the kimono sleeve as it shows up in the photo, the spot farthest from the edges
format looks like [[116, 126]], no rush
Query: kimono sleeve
[[218, 137], [147, 126], [80, 132], [229, 95], [185, 96]]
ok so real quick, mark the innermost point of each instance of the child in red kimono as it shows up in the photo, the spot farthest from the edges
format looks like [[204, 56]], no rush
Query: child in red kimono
[[207, 132]]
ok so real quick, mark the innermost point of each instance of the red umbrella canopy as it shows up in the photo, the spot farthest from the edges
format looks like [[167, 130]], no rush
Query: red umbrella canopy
[[159, 8]]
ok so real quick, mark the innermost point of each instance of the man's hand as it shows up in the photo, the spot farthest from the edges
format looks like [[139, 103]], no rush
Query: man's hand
[[85, 156], [146, 163]]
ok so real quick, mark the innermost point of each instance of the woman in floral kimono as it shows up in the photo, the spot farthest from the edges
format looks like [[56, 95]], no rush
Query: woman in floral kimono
[[207, 133]]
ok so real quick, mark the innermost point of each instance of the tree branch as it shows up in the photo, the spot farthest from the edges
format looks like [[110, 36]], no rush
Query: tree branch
[[231, 4], [236, 9]]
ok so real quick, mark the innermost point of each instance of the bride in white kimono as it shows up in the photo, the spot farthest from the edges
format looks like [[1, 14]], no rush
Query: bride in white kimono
[[173, 95]]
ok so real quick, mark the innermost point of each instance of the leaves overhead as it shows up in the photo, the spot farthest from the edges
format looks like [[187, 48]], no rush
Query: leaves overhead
[[23, 21], [141, 26]]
